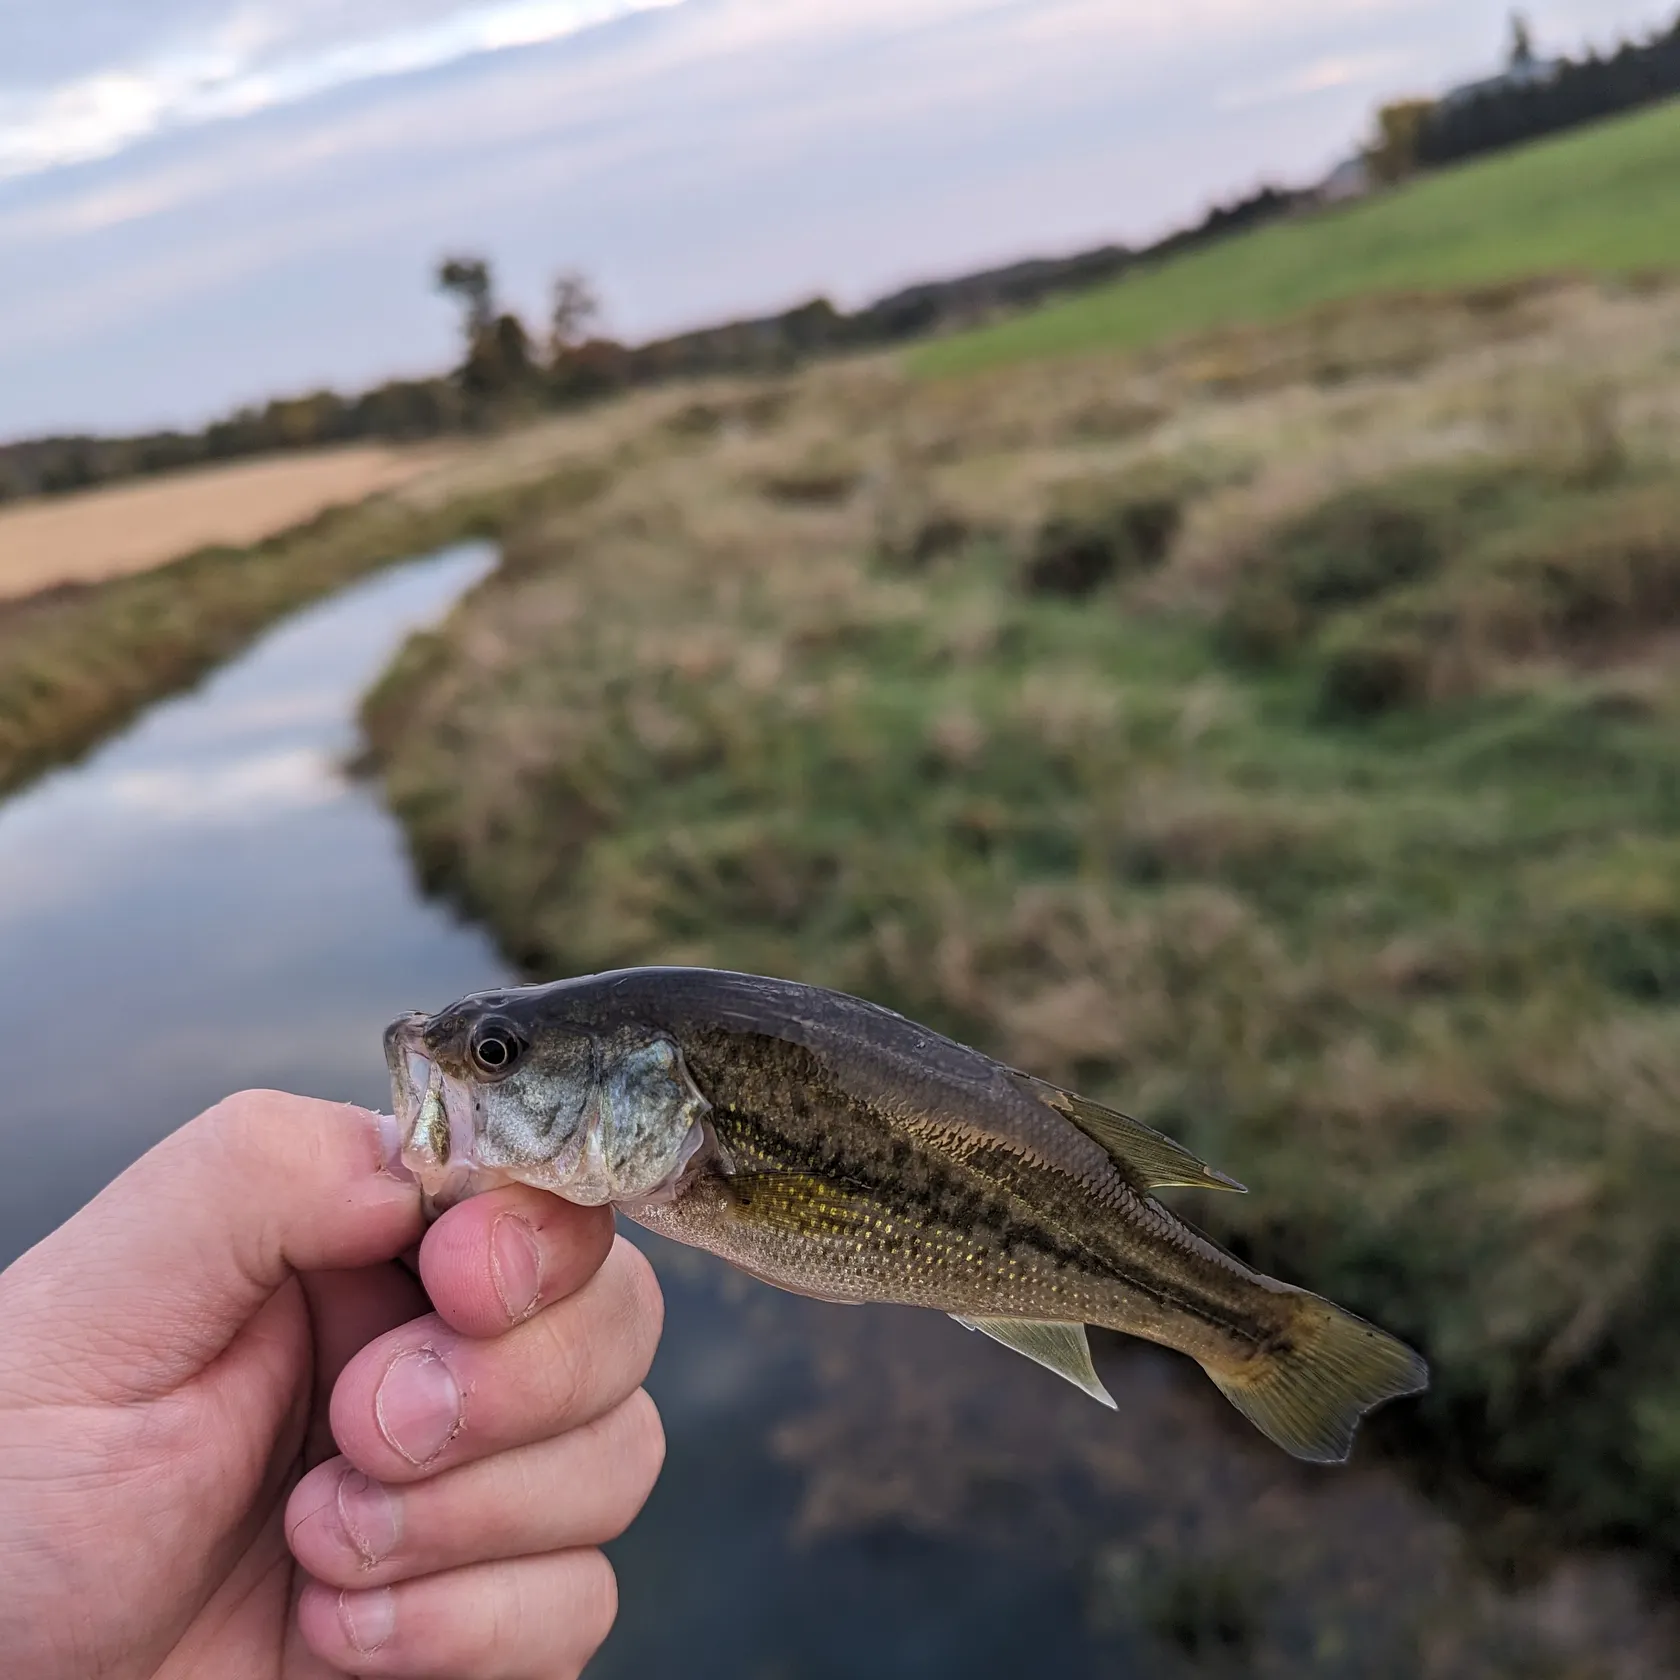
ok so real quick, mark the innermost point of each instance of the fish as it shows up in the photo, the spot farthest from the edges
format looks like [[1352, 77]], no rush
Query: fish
[[833, 1148]]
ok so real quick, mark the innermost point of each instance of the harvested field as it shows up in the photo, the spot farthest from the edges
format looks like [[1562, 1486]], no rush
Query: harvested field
[[132, 527]]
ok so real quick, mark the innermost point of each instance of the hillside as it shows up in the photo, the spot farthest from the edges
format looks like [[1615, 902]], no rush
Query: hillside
[[1598, 201]]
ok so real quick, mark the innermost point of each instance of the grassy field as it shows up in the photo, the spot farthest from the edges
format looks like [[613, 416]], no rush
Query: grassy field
[[1595, 202], [1280, 738]]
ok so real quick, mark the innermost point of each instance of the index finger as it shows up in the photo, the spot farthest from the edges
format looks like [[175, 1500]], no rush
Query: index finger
[[491, 1262]]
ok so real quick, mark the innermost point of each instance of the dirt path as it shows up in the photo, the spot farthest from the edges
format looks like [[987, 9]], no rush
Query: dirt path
[[130, 527]]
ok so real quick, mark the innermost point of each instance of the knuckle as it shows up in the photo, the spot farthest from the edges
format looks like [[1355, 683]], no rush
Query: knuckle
[[647, 1298], [646, 1447], [235, 1117], [594, 1601], [568, 1368], [252, 1125], [246, 1110], [625, 1457], [637, 1306], [601, 1349]]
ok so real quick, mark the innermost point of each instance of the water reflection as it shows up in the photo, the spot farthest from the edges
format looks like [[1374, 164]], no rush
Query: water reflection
[[208, 903]]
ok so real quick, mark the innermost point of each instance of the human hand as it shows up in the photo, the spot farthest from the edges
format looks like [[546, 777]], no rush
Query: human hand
[[178, 1360]]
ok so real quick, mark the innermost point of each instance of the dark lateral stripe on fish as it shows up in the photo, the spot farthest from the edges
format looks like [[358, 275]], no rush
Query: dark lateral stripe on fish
[[949, 1203], [944, 1199]]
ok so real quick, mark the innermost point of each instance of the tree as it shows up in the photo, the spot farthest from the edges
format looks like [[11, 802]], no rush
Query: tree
[[499, 362], [571, 315], [468, 278], [1522, 42], [1393, 155]]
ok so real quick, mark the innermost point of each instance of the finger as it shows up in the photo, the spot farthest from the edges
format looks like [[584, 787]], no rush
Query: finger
[[425, 1398], [579, 1489], [493, 1261], [152, 1279], [516, 1620], [347, 1310]]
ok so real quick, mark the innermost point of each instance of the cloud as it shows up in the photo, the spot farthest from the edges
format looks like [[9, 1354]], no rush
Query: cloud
[[702, 160], [228, 76], [1321, 75]]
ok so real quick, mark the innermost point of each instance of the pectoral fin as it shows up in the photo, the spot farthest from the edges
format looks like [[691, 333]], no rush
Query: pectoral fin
[[1061, 1348], [1149, 1159]]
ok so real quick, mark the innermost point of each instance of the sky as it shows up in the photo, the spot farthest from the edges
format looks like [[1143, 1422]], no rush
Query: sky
[[209, 202]]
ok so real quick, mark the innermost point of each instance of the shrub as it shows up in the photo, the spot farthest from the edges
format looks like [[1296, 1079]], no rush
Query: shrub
[[1099, 534], [1375, 672]]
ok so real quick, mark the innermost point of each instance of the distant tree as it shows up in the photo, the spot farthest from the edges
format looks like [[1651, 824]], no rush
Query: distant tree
[[500, 361], [498, 357], [1522, 42], [812, 327], [593, 368], [571, 315], [468, 279], [1394, 153]]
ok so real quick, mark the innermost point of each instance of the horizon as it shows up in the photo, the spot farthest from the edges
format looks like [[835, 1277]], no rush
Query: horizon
[[713, 159]]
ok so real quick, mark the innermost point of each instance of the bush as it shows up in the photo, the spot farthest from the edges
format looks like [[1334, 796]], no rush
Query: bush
[[1103, 533], [1377, 672]]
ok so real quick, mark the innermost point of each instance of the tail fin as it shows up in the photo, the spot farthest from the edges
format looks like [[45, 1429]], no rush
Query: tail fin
[[1309, 1394]]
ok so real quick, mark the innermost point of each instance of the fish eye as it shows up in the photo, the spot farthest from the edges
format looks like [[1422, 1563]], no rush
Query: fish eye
[[494, 1049]]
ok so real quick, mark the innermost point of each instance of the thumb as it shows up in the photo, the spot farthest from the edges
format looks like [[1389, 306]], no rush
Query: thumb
[[155, 1276]]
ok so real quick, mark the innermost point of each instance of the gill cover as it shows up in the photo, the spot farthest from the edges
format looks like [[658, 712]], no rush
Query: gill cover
[[616, 1125]]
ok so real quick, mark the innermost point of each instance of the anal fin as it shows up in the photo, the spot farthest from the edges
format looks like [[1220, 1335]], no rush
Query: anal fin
[[1061, 1348]]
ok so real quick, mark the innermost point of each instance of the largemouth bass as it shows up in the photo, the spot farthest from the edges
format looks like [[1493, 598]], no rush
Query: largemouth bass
[[835, 1149]]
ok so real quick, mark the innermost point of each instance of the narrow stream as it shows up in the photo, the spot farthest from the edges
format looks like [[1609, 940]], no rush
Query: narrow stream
[[208, 902]]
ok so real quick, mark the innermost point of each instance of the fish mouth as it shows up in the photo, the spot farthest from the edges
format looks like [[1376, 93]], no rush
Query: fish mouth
[[433, 1136]]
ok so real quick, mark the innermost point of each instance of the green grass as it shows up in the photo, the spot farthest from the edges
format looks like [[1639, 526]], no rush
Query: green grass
[[1600, 201]]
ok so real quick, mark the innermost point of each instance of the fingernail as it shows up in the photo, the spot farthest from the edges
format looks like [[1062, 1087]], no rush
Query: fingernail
[[368, 1618], [369, 1516], [418, 1405], [516, 1265]]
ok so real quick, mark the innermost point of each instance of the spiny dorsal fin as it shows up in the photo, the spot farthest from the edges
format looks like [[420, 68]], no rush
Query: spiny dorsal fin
[[1061, 1348], [1151, 1161]]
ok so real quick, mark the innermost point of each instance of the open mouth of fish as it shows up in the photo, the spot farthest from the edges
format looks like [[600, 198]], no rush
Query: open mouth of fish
[[433, 1135]]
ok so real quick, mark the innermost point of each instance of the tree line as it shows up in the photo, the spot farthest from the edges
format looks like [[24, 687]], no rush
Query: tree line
[[1577, 91], [1414, 134], [507, 371]]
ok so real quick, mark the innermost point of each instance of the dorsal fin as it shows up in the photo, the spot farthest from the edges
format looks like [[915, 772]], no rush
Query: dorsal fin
[[1148, 1159], [1062, 1348]]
